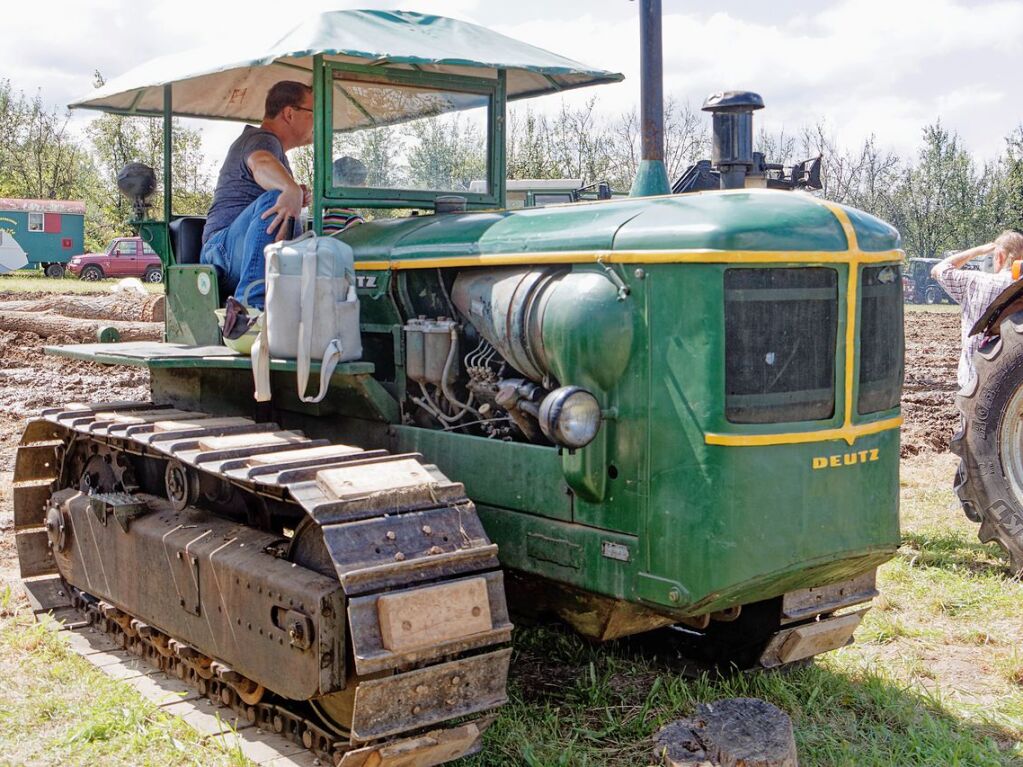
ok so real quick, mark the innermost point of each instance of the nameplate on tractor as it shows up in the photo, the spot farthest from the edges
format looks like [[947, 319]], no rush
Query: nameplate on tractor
[[839, 460]]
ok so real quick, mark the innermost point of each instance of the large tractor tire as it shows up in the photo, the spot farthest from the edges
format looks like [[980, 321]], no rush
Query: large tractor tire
[[932, 295], [989, 442]]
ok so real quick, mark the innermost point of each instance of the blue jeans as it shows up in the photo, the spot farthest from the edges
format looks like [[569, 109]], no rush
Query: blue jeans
[[237, 251]]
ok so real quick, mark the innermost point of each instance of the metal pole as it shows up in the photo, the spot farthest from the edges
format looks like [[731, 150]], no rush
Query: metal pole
[[652, 80], [168, 146], [323, 133], [651, 175]]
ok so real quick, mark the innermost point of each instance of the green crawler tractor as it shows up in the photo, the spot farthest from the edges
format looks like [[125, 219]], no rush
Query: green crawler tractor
[[637, 413]]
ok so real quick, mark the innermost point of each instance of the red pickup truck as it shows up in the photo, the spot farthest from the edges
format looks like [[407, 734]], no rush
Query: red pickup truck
[[124, 257]]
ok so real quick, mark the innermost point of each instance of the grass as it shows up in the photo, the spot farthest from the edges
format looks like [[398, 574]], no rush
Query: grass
[[935, 678], [55, 708], [32, 281]]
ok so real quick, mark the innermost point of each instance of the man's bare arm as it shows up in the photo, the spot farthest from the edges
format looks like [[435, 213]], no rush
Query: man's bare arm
[[960, 258], [270, 174]]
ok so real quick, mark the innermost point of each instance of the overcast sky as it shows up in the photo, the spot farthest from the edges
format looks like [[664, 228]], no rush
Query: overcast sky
[[883, 67]]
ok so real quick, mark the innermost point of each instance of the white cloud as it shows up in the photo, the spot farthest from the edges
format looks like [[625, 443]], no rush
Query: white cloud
[[863, 66]]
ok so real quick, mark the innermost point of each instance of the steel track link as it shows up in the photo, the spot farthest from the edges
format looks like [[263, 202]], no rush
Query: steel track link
[[392, 532]]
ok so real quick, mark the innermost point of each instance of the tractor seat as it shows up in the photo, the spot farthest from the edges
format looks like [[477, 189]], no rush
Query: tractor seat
[[186, 238]]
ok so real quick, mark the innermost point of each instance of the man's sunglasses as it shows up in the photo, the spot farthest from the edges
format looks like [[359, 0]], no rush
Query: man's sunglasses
[[303, 109]]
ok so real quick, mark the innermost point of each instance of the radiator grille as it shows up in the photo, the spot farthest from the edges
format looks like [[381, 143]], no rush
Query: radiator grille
[[780, 331]]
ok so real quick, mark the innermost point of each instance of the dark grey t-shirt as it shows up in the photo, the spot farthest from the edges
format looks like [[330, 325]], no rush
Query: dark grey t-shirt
[[236, 188]]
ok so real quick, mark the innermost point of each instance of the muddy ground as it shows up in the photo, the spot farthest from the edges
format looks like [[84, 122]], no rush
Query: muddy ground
[[31, 380], [928, 395]]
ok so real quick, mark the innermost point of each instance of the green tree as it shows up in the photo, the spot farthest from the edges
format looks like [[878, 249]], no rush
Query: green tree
[[528, 145], [115, 141], [939, 203], [446, 152], [379, 149], [39, 156], [1005, 196]]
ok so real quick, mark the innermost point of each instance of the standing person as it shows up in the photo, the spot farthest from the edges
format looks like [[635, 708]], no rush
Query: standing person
[[256, 184], [975, 290]]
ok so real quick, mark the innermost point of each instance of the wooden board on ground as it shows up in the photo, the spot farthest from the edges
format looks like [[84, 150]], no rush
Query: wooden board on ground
[[207, 718], [89, 641]]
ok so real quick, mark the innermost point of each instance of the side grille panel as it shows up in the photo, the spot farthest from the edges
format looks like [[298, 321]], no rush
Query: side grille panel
[[881, 339]]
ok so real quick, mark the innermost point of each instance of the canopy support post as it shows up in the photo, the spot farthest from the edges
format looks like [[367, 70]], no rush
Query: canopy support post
[[321, 155], [168, 150], [498, 181]]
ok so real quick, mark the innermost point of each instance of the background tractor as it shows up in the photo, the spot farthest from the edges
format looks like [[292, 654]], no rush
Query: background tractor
[[989, 440]]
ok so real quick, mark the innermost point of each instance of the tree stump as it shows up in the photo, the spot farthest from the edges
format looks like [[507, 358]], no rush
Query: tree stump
[[737, 732]]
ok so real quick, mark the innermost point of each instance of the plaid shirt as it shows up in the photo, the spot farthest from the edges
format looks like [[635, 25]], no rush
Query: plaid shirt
[[973, 291]]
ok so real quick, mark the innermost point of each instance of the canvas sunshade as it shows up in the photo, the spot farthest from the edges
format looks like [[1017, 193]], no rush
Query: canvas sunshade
[[204, 86]]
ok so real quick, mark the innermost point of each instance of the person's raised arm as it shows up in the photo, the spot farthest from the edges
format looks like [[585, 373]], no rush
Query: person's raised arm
[[958, 259], [269, 173]]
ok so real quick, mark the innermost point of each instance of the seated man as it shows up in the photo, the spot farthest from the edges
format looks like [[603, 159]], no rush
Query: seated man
[[256, 184]]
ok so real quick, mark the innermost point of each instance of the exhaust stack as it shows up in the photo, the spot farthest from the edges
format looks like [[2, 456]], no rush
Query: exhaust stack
[[651, 175]]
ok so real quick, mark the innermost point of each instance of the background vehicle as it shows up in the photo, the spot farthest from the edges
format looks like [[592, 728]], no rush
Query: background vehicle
[[989, 442], [49, 231], [124, 257], [12, 255], [602, 390], [531, 192], [919, 287]]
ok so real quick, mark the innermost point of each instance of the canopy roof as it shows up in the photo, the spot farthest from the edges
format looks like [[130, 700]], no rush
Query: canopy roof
[[204, 86]]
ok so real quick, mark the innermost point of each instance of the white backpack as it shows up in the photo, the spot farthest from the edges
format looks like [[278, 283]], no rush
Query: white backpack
[[311, 311]]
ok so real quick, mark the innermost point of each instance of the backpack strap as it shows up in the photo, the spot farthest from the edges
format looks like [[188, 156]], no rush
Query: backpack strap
[[261, 346], [332, 354]]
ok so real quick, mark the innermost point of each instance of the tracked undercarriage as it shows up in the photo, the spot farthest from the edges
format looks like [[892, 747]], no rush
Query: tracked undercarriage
[[347, 599]]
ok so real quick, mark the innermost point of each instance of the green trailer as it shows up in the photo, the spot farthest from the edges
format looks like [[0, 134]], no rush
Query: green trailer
[[49, 232], [671, 411]]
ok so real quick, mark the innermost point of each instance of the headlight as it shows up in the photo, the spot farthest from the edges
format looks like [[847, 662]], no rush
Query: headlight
[[570, 417]]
